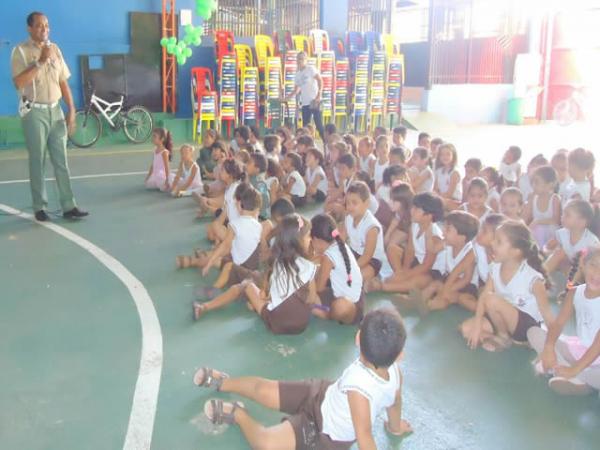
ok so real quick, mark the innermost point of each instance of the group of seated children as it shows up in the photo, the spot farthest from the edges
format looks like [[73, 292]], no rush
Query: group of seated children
[[393, 220]]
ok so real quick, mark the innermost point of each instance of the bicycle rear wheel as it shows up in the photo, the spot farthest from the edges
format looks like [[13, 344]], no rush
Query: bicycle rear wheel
[[88, 129], [138, 124]]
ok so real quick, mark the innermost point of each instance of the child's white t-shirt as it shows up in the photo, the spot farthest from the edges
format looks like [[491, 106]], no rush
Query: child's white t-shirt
[[335, 409], [483, 264], [510, 172], [299, 187], [282, 285], [384, 193], [577, 189], [378, 172], [525, 186], [365, 163], [587, 316], [311, 175], [230, 203], [420, 245], [248, 232], [427, 185], [339, 274], [451, 261], [442, 181], [519, 290], [357, 237], [587, 240]]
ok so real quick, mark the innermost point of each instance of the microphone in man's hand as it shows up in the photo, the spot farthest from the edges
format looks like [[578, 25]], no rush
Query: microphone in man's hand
[[48, 44]]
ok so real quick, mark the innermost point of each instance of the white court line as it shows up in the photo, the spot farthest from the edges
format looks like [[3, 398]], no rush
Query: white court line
[[81, 177], [145, 397]]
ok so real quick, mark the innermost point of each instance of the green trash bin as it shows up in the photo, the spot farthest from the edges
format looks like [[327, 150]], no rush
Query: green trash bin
[[514, 115]]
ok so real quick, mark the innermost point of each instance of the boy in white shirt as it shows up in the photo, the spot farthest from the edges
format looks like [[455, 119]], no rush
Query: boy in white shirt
[[324, 415]]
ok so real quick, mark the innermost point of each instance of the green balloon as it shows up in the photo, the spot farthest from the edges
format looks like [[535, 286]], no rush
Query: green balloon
[[181, 59], [173, 40], [171, 49], [197, 41], [189, 29], [164, 42], [188, 52]]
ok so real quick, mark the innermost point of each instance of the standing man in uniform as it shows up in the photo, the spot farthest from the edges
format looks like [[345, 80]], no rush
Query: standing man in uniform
[[40, 75], [309, 84]]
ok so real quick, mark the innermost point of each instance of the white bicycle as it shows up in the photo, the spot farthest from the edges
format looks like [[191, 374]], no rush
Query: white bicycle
[[136, 121]]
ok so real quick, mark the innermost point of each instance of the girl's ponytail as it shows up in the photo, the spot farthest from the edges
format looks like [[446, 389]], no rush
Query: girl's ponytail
[[344, 251]]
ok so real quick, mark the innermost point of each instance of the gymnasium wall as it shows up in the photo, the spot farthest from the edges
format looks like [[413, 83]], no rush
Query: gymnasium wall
[[78, 27]]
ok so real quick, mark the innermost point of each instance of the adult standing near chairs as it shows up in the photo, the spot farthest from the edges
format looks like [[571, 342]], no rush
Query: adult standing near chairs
[[308, 84], [40, 75]]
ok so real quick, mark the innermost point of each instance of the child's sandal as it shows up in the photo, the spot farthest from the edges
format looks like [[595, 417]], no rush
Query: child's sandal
[[206, 377], [214, 411], [183, 261]]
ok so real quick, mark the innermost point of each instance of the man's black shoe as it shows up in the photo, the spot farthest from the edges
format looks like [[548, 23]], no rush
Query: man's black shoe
[[75, 213], [41, 216]]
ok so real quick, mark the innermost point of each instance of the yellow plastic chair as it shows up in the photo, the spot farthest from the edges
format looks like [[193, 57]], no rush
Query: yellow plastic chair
[[264, 47], [302, 44], [244, 57]]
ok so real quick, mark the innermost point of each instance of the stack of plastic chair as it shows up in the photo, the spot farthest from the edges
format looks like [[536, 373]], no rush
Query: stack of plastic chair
[[283, 42], [249, 95], [361, 88], [302, 44], [342, 87], [264, 48], [228, 92], [290, 68], [377, 89], [244, 57], [204, 101], [319, 41], [224, 44], [373, 41], [273, 105], [327, 71], [394, 82], [355, 44]]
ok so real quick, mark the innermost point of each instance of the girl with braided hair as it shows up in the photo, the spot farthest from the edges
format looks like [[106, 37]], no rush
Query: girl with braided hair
[[515, 296], [573, 362], [339, 281]]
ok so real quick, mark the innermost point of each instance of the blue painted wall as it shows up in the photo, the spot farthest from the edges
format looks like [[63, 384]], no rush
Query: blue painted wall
[[334, 16], [78, 27]]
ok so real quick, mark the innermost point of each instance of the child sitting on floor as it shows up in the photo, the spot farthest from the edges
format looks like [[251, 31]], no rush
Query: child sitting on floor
[[365, 233], [205, 158], [511, 204], [447, 178], [382, 149], [581, 168], [294, 187], [473, 168], [322, 414], [188, 179], [460, 228], [401, 197], [421, 175], [316, 180], [477, 194], [542, 211], [422, 259], [515, 297], [573, 362], [339, 281], [257, 172], [159, 176], [580, 225], [283, 304], [510, 168]]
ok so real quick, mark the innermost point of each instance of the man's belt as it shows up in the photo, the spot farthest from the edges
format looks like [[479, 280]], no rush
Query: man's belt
[[44, 105]]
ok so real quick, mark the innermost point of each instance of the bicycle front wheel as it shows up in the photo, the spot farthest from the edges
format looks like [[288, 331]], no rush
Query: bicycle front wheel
[[88, 129], [138, 124]]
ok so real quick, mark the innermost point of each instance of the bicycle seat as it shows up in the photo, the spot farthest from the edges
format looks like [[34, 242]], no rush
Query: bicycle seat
[[118, 94]]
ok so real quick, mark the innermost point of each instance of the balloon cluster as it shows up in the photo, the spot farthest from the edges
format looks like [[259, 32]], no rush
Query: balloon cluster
[[205, 8], [193, 35]]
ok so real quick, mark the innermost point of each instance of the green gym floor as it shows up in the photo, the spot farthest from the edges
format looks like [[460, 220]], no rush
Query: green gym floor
[[71, 337]]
